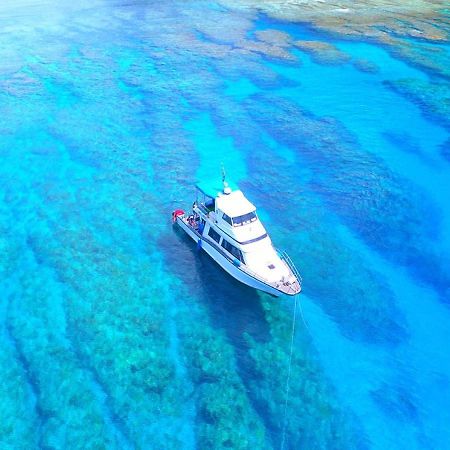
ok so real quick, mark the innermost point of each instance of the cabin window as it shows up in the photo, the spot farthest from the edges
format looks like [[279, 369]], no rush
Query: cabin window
[[227, 218], [244, 219], [263, 236], [210, 204], [214, 234], [232, 250]]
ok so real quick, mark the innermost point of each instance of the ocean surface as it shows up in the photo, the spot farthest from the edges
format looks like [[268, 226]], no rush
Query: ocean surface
[[116, 333]]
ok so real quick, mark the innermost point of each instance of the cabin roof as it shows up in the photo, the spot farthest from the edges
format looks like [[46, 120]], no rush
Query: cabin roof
[[211, 188], [234, 204]]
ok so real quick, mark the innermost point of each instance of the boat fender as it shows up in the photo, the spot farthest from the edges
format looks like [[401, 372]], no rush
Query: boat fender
[[201, 227], [177, 213], [199, 244], [236, 262]]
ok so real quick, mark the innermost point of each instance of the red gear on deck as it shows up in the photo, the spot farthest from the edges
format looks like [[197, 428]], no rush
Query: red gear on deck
[[176, 213]]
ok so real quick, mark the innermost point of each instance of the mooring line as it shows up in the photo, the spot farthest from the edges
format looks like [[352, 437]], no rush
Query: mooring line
[[303, 320], [288, 379]]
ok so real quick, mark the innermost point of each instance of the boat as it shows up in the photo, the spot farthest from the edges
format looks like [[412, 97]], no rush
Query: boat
[[225, 224]]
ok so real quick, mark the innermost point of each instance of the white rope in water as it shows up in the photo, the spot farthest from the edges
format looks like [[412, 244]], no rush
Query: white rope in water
[[288, 379], [304, 321]]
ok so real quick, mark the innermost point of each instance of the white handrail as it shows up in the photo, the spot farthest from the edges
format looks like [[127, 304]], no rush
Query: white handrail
[[292, 267]]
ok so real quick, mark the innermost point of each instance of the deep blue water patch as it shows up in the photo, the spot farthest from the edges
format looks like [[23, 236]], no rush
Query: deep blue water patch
[[445, 150], [396, 402]]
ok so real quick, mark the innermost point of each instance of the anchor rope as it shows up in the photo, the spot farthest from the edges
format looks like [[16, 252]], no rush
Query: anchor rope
[[288, 379], [304, 321]]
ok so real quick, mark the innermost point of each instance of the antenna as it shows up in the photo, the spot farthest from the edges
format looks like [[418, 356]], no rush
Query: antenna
[[223, 173], [226, 188]]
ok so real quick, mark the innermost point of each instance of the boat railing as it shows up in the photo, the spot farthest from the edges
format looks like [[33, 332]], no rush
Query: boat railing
[[203, 208], [291, 266]]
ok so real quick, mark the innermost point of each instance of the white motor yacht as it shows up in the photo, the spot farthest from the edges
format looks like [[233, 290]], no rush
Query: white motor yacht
[[225, 225]]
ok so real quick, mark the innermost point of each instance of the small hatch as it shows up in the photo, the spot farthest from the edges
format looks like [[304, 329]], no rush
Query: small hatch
[[271, 266]]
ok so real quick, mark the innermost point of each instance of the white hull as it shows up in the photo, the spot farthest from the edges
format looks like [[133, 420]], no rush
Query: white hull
[[226, 264]]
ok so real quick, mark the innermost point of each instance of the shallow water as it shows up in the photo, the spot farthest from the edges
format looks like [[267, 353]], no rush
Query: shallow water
[[109, 114]]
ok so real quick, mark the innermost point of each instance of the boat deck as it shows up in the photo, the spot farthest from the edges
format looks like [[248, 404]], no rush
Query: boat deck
[[289, 289]]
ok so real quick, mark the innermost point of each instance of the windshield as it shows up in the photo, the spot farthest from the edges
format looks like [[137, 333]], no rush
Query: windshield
[[244, 219]]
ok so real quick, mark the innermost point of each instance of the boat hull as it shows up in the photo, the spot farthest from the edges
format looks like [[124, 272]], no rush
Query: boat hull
[[225, 263]]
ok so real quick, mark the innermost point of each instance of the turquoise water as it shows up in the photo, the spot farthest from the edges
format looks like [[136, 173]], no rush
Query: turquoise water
[[116, 333]]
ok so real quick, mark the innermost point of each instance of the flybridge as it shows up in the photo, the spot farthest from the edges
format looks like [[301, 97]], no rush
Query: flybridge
[[234, 204], [227, 198], [213, 187]]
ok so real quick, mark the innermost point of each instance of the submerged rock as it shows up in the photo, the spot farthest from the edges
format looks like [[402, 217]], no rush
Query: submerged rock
[[397, 24], [225, 416], [365, 65], [432, 97], [445, 150], [397, 402], [386, 211], [314, 419], [323, 52]]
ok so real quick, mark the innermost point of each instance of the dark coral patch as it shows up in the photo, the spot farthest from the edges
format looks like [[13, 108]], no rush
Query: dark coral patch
[[388, 212]]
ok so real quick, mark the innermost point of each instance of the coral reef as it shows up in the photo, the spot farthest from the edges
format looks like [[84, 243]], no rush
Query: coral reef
[[20, 84], [365, 66], [117, 324], [274, 37], [397, 402], [65, 402], [397, 232], [18, 417], [225, 418], [313, 419], [401, 27], [323, 52], [432, 97], [108, 320]]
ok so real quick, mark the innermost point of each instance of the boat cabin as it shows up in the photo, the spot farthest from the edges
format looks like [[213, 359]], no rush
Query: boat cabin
[[229, 206], [229, 219]]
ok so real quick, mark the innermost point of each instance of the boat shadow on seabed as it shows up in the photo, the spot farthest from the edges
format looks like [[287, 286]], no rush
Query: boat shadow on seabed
[[232, 305]]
